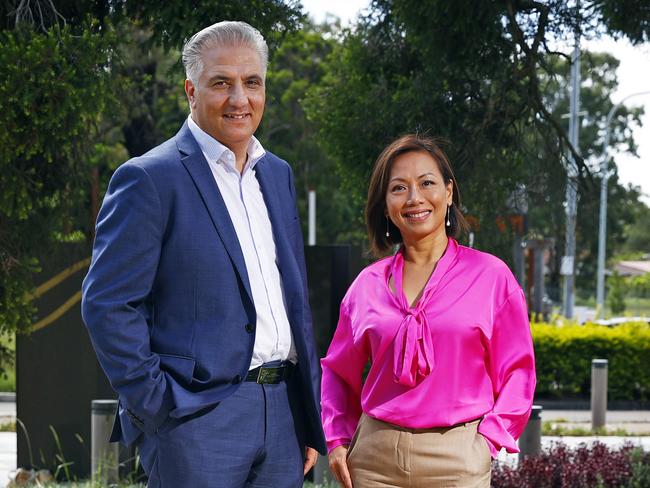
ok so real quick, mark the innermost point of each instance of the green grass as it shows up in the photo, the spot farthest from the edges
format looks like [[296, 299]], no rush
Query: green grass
[[555, 428], [634, 306]]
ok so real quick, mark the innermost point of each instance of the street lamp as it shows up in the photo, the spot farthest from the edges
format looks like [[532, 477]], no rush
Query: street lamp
[[600, 284]]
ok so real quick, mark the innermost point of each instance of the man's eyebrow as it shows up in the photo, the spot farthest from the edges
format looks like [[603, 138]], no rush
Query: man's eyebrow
[[219, 77], [224, 77]]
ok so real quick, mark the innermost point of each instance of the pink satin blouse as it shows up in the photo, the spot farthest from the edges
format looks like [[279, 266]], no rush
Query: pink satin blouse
[[463, 352]]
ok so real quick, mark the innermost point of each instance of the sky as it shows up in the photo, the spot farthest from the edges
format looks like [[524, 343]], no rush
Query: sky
[[633, 76]]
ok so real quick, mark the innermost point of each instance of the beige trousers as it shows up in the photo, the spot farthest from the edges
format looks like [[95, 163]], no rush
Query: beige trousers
[[383, 455]]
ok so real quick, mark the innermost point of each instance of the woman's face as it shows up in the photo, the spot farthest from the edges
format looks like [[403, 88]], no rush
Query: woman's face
[[417, 196]]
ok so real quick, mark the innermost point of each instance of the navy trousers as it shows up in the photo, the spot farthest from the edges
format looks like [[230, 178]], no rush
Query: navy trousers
[[246, 441]]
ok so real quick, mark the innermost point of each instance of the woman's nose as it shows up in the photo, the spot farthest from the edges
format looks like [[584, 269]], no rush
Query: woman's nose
[[414, 195]]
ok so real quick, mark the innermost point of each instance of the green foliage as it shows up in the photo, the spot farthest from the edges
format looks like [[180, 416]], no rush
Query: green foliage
[[640, 469], [616, 295], [174, 22], [563, 357], [298, 65], [479, 81], [8, 378], [54, 88], [637, 232], [546, 196], [631, 17], [639, 286]]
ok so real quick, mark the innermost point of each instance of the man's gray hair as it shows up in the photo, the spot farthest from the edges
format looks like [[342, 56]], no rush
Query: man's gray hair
[[226, 33]]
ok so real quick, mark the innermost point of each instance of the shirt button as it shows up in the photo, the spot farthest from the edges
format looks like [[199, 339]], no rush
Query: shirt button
[[236, 379], [249, 328]]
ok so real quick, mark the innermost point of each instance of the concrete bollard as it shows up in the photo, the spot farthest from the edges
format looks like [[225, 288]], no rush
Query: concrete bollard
[[598, 392], [530, 442], [104, 456]]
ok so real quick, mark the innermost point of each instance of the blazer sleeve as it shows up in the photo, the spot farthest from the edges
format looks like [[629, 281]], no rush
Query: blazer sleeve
[[126, 252], [512, 371], [307, 322]]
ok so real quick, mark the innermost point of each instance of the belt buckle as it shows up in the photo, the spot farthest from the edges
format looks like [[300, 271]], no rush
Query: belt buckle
[[268, 375]]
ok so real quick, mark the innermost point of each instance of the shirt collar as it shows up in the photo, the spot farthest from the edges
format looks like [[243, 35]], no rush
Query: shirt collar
[[215, 151]]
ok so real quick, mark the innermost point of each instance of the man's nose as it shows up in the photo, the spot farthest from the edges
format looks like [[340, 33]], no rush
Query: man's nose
[[237, 94]]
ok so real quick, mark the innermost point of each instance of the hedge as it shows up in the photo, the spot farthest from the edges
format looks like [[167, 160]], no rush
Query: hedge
[[563, 355]]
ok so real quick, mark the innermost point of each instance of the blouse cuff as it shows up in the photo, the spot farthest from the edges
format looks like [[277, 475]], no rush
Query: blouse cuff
[[331, 445], [497, 435]]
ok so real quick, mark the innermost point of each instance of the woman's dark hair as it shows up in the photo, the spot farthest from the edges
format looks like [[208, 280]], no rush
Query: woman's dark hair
[[376, 222]]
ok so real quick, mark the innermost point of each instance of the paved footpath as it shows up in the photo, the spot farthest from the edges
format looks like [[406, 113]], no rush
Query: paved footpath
[[636, 421]]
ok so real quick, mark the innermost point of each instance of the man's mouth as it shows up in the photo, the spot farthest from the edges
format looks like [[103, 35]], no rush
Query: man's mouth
[[236, 116]]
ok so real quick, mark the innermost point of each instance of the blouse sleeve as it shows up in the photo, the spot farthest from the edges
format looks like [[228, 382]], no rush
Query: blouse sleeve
[[341, 385], [512, 371]]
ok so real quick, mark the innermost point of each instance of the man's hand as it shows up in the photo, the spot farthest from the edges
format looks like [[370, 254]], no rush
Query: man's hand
[[311, 455], [339, 466]]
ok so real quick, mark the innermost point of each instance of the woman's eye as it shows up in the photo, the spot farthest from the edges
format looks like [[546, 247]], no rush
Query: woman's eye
[[428, 183], [397, 188]]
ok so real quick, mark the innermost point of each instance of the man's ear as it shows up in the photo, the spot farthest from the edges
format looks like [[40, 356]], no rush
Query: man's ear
[[189, 91]]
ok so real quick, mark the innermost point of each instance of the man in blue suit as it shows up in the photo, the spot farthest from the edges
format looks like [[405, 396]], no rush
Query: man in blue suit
[[196, 298]]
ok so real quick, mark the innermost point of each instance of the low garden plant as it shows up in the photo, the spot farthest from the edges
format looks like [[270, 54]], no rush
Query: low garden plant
[[595, 466]]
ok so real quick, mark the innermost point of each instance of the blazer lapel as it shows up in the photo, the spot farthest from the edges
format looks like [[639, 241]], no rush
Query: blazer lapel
[[286, 259], [198, 168]]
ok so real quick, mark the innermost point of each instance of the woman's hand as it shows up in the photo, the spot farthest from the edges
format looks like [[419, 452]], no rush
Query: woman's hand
[[339, 466]]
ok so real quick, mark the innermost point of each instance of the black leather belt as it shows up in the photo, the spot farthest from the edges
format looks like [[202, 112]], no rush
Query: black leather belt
[[270, 374]]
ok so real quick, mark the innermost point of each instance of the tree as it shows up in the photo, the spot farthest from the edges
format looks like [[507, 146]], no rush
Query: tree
[[475, 79], [637, 232], [297, 66], [85, 85], [55, 85], [546, 196]]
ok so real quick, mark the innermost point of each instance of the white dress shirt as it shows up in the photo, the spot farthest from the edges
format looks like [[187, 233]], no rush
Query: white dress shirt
[[250, 218]]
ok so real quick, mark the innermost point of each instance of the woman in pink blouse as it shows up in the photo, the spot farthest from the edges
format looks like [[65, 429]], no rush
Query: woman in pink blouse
[[446, 331]]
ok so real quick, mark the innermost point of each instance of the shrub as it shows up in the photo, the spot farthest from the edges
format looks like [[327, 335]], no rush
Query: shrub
[[616, 296], [561, 467], [563, 357]]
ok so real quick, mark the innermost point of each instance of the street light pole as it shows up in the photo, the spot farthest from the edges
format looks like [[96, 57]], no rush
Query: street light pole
[[602, 225], [568, 261]]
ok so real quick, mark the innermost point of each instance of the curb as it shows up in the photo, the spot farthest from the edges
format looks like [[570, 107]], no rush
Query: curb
[[7, 396]]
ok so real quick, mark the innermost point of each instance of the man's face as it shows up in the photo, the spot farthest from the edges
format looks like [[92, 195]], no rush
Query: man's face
[[227, 100]]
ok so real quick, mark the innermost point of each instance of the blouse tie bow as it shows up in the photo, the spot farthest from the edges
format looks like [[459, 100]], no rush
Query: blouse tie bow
[[413, 354]]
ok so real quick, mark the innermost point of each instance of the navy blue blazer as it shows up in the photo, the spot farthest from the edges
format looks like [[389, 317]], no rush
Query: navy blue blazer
[[167, 298]]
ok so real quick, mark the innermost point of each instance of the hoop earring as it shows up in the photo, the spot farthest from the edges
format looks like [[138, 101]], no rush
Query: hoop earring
[[387, 227], [448, 223]]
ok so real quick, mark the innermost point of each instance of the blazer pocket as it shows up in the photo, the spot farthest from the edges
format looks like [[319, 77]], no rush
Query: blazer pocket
[[179, 367]]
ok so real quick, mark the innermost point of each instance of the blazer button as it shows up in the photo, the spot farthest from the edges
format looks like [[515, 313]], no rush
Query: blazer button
[[249, 328], [236, 379]]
